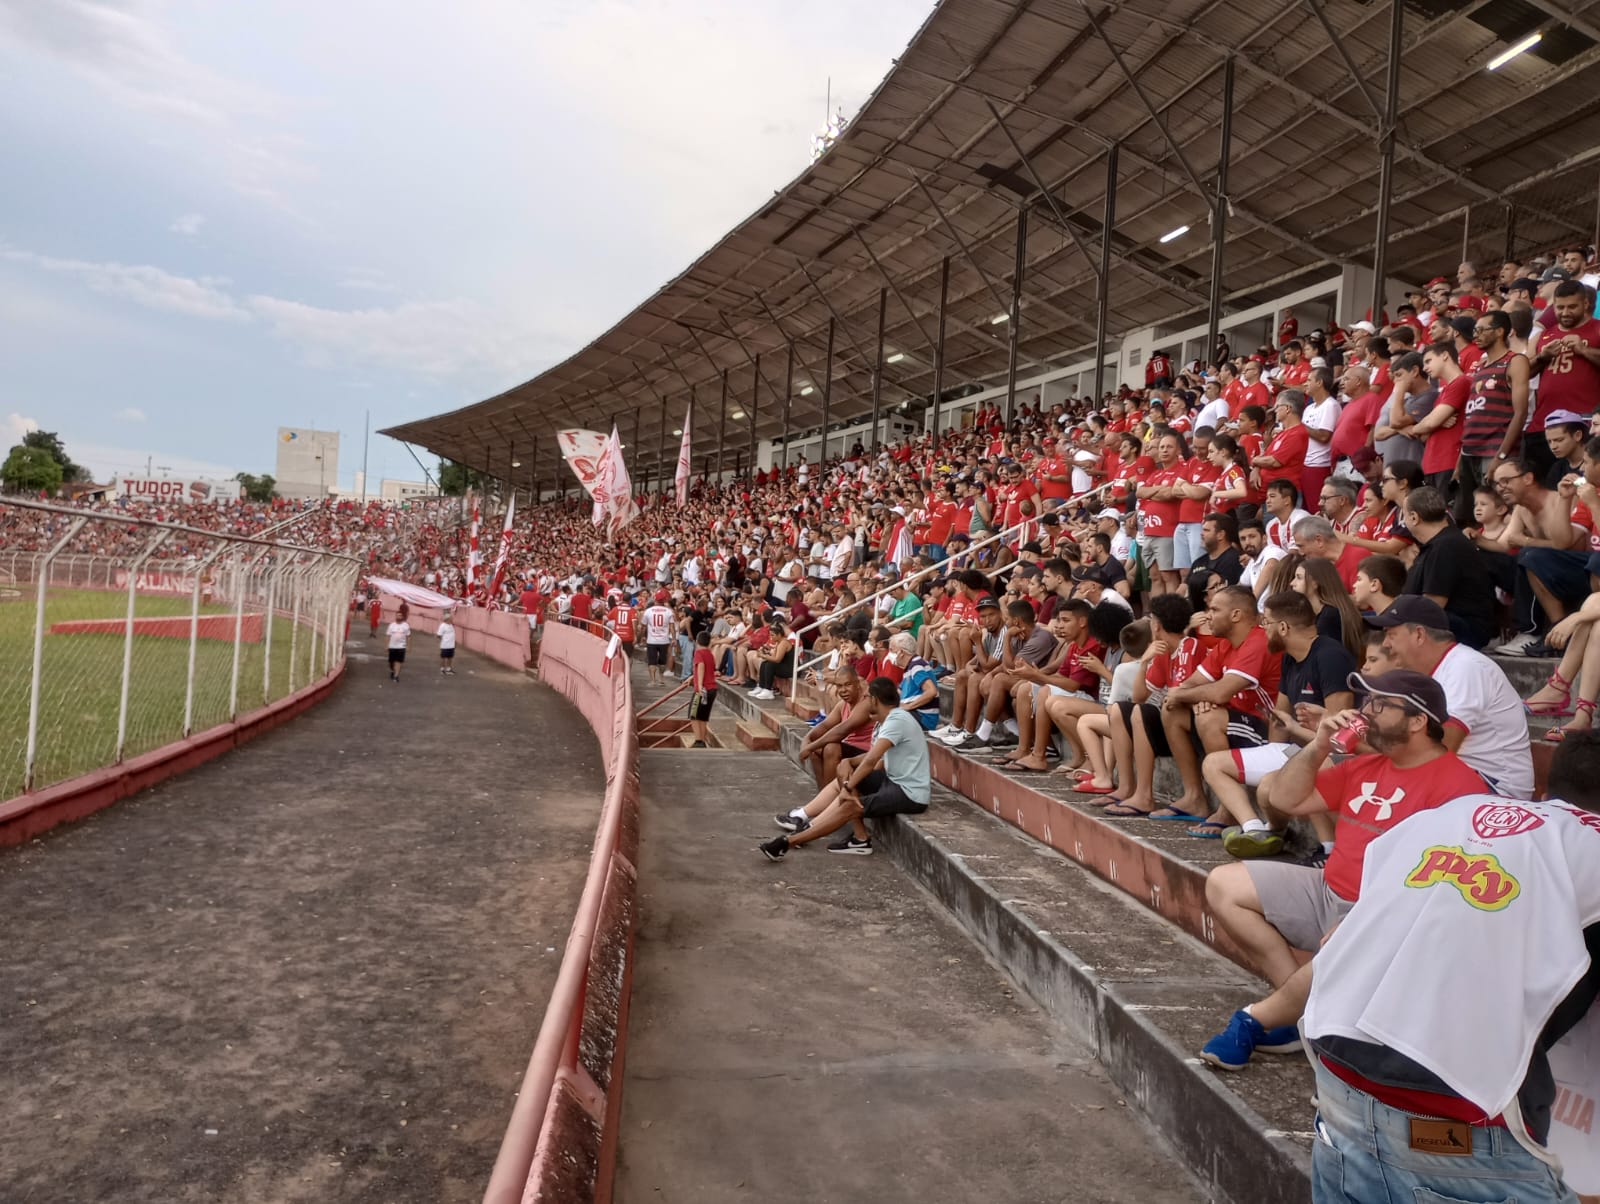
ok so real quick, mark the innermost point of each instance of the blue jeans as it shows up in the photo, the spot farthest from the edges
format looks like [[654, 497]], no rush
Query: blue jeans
[[685, 656], [1363, 1155]]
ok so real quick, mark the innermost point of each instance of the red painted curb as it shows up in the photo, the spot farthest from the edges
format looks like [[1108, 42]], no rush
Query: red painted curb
[[27, 815]]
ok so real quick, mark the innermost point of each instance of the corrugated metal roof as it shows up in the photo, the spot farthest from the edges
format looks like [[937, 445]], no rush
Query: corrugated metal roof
[[1302, 184]]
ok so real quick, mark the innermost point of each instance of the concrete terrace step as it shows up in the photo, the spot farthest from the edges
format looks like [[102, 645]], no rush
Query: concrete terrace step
[[1144, 995], [1142, 969], [757, 737]]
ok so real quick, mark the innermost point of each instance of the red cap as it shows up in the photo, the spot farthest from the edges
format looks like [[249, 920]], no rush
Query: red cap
[[661, 595]]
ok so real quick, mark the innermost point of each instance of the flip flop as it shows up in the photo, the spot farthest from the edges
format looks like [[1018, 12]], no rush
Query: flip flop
[[1091, 788], [1019, 767], [1209, 830], [1178, 816], [1121, 810]]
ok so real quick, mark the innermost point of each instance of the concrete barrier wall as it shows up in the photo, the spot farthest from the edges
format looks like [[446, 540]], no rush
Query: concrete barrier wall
[[497, 634], [560, 1144]]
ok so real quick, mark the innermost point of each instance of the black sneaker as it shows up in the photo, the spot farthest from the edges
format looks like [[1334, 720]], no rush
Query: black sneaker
[[971, 746], [1316, 859], [698, 744], [1002, 739], [792, 823], [861, 848], [776, 848]]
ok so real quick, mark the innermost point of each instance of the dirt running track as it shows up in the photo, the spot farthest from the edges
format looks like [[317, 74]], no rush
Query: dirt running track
[[310, 971]]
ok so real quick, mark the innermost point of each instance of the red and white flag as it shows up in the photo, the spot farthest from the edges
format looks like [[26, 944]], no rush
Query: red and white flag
[[612, 648], [474, 556], [681, 481], [612, 490], [899, 544], [505, 550]]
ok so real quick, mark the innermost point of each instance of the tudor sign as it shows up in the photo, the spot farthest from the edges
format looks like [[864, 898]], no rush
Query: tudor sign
[[168, 489]]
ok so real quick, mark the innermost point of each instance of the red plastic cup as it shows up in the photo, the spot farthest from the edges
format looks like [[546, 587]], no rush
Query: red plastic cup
[[1346, 738]]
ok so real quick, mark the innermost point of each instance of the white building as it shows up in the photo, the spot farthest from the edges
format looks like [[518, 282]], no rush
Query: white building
[[308, 462]]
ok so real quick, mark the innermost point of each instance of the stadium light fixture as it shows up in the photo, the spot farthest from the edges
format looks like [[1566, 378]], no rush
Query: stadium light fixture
[[516, 464], [895, 358], [679, 431], [737, 414], [807, 391], [1172, 234], [999, 318], [1511, 52]]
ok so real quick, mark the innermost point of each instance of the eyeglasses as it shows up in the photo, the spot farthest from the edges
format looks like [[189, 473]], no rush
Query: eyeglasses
[[1376, 706]]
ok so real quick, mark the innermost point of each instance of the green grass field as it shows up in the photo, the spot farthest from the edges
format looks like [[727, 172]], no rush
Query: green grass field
[[83, 683]]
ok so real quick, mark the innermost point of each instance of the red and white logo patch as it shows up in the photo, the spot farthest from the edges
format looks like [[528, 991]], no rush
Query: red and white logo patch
[[1495, 820]]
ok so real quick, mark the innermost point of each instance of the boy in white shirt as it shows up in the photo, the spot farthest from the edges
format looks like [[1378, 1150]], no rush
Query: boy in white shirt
[[447, 645]]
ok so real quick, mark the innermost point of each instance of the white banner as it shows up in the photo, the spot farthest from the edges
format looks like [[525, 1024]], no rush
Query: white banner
[[681, 480], [416, 595], [582, 450], [171, 489]]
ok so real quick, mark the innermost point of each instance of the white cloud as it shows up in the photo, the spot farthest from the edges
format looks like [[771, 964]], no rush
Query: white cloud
[[142, 284], [105, 460], [131, 414], [189, 224], [15, 427]]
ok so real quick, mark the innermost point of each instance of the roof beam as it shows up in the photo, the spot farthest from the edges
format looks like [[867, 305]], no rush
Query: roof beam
[[1570, 19]]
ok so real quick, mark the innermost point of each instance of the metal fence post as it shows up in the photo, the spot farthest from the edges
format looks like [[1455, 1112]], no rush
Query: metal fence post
[[313, 603], [274, 571], [296, 587], [134, 570], [194, 639], [37, 679], [242, 575]]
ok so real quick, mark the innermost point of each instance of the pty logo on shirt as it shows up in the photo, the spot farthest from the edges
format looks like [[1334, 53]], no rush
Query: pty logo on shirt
[[1479, 876]]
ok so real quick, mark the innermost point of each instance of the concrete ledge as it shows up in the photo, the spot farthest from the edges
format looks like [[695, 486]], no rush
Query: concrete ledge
[[757, 737], [26, 816], [1142, 995]]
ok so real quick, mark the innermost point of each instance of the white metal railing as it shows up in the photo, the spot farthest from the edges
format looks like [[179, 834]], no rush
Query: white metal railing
[[833, 616], [121, 635]]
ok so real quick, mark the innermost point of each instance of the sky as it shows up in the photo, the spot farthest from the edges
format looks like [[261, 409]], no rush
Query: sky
[[219, 219]]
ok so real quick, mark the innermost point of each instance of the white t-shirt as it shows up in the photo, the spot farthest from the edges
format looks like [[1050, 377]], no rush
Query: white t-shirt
[[1214, 415], [1280, 532], [1320, 416], [843, 553], [1253, 570], [658, 623], [1082, 461], [1482, 701], [399, 633], [447, 636], [1121, 544], [664, 568]]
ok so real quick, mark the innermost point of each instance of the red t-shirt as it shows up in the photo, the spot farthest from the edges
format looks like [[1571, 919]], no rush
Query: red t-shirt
[[1023, 490], [1288, 448], [530, 602], [1356, 421], [1259, 668], [1251, 395], [1570, 382], [1442, 448], [1233, 394], [621, 618], [1054, 466], [581, 605], [1161, 516], [1071, 666], [940, 516], [1201, 472], [1349, 561], [1296, 374], [707, 676], [1470, 357], [1368, 795], [1176, 667], [1230, 477], [962, 609]]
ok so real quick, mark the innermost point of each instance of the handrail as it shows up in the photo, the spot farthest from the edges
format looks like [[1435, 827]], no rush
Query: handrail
[[677, 689], [832, 616]]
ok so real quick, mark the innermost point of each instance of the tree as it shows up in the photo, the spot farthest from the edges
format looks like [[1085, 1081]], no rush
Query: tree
[[258, 489], [29, 469], [455, 479], [50, 443]]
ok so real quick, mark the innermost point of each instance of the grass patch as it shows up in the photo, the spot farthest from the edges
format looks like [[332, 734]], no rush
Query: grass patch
[[82, 683]]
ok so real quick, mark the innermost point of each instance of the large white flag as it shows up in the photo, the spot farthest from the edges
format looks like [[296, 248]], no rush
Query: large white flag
[[612, 490], [474, 556], [582, 450], [505, 550], [681, 481]]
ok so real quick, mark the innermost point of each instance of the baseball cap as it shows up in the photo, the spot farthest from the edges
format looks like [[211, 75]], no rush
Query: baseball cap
[[988, 603], [1110, 512], [1034, 546], [1556, 273], [661, 595], [1084, 573], [1566, 418], [1527, 284], [1417, 690], [1364, 326], [1414, 609]]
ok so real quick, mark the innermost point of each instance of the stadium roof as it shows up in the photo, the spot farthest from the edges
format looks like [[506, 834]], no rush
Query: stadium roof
[[993, 98]]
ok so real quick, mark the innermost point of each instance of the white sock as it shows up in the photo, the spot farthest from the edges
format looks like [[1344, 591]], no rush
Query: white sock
[[985, 730], [798, 811], [1327, 846], [1256, 825]]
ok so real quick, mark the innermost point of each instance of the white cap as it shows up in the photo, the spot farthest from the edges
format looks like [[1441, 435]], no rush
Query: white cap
[[1364, 327]]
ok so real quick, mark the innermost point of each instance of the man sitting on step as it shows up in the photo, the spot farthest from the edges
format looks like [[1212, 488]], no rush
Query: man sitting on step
[[1273, 908], [893, 778], [848, 727]]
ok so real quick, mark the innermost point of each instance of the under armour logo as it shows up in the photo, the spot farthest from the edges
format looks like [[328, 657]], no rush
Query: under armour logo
[[1385, 806]]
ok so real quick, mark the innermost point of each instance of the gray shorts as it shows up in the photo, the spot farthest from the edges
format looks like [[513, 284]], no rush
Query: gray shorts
[[1296, 901], [1158, 552]]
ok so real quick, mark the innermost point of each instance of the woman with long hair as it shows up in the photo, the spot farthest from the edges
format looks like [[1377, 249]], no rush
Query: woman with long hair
[[1233, 486], [1337, 615], [1377, 532]]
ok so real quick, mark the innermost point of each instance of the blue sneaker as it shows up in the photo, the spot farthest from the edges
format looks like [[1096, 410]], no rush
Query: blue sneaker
[[1231, 1048], [816, 719]]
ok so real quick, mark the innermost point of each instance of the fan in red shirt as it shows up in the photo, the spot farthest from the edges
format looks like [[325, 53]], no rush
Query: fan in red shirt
[[1158, 371], [621, 621], [1285, 456], [1288, 329], [1054, 475], [1443, 425], [1296, 368], [1568, 358], [1253, 392], [1225, 704], [1159, 501]]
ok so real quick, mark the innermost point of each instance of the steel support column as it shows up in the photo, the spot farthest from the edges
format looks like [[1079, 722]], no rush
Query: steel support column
[[938, 347], [788, 398], [722, 426], [1391, 109], [755, 400], [1016, 314], [1219, 215], [877, 368], [1511, 234], [1108, 223], [661, 450], [827, 395]]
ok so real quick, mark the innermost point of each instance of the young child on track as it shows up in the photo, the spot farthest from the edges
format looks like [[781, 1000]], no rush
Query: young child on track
[[399, 636], [447, 645]]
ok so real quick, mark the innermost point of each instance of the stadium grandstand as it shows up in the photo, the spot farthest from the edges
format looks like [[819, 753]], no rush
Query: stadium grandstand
[[1145, 473]]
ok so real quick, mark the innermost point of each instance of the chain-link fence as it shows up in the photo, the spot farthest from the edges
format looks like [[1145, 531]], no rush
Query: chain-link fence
[[121, 635]]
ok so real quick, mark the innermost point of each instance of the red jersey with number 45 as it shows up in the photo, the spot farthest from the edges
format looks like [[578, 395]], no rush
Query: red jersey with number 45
[[1259, 668], [1370, 794], [1568, 382]]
